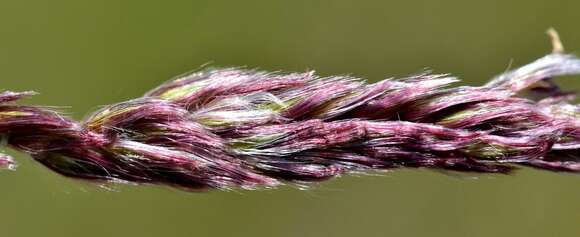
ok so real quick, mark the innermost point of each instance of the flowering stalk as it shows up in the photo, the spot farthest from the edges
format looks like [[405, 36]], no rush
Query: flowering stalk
[[237, 128]]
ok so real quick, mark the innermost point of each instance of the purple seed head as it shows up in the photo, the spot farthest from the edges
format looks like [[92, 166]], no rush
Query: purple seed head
[[238, 128]]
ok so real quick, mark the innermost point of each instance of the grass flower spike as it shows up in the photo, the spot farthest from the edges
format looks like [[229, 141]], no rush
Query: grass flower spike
[[238, 128]]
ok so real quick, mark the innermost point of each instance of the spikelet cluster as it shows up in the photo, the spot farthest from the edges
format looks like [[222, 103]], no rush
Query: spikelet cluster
[[239, 128]]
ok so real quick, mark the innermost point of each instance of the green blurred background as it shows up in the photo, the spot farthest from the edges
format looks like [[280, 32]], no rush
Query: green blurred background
[[85, 54]]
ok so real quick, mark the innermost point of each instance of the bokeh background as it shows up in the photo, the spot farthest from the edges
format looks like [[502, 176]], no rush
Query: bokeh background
[[85, 54]]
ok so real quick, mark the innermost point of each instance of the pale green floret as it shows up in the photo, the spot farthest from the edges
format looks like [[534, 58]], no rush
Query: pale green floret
[[221, 121], [278, 107], [564, 139], [254, 141], [459, 116], [99, 119], [127, 153], [262, 110], [212, 122], [8, 114], [182, 91], [489, 151]]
